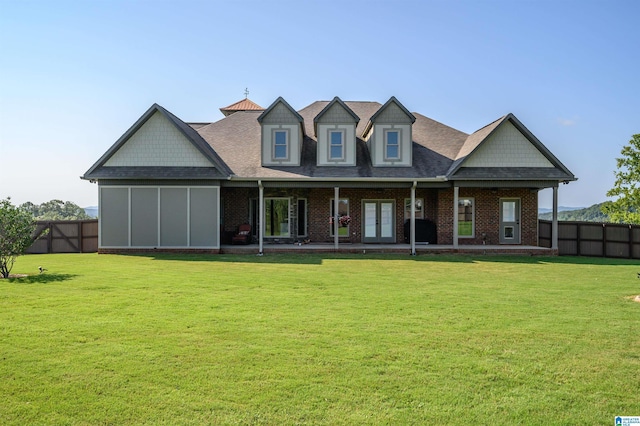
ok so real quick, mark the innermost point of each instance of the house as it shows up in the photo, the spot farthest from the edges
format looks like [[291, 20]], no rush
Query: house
[[334, 172]]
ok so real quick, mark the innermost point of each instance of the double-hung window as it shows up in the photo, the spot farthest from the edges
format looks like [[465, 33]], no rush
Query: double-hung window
[[280, 144], [392, 144], [336, 145], [466, 225]]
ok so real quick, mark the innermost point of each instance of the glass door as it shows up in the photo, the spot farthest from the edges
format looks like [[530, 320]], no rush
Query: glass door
[[379, 221], [510, 221]]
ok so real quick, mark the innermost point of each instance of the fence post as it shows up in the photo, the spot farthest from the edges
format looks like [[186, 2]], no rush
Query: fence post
[[81, 240], [630, 242], [49, 238], [578, 229], [604, 240]]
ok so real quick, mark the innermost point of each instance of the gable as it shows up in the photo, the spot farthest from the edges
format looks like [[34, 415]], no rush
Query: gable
[[393, 114], [507, 147], [279, 114], [158, 143], [336, 114]]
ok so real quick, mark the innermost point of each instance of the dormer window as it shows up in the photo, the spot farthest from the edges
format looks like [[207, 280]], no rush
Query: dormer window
[[282, 135], [388, 135], [280, 144], [392, 145], [335, 130], [336, 144]]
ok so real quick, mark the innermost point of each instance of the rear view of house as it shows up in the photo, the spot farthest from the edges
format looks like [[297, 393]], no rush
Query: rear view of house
[[335, 172]]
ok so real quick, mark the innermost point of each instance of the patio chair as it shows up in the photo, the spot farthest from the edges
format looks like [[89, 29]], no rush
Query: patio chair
[[243, 236]]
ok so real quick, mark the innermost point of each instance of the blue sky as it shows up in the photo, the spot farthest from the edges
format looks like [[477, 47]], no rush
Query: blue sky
[[74, 76]]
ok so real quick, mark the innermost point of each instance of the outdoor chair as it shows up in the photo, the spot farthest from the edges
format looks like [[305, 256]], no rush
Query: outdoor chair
[[243, 236]]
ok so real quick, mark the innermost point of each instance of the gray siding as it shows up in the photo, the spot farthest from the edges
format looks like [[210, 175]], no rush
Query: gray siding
[[393, 114], [114, 217], [173, 217], [152, 216], [280, 114], [336, 115], [204, 217], [144, 217]]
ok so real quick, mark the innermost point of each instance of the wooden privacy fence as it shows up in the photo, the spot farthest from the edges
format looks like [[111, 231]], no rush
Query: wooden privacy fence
[[65, 236], [593, 239]]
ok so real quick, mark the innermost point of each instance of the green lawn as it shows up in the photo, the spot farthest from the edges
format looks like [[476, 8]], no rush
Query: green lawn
[[319, 339]]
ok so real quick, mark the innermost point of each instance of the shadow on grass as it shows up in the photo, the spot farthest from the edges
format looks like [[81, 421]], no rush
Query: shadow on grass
[[318, 258], [41, 278]]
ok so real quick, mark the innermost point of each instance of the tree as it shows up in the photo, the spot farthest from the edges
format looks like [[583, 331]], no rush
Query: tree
[[626, 208], [16, 229], [56, 210]]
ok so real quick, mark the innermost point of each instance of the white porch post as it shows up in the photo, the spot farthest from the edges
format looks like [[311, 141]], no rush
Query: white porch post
[[554, 220], [261, 216], [336, 204], [455, 216], [412, 227]]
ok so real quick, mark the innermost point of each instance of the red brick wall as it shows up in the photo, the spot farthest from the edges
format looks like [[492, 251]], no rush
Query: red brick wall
[[487, 215], [438, 205]]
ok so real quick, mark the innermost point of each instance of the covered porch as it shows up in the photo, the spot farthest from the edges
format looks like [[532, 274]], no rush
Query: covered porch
[[359, 248]]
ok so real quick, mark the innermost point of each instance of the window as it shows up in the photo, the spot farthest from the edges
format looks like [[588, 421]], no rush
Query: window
[[280, 144], [392, 144], [418, 207], [276, 217], [343, 217], [466, 226], [336, 145], [302, 217]]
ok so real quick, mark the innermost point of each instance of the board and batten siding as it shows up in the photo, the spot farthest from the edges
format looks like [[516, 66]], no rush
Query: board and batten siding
[[507, 147], [159, 216]]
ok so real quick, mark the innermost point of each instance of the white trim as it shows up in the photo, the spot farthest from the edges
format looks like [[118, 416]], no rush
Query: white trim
[[473, 217]]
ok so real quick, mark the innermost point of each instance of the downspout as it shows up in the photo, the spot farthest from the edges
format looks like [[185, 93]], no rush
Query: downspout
[[336, 204], [260, 217], [413, 218]]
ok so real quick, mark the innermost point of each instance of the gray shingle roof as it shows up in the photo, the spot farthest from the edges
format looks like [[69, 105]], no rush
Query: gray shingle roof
[[233, 145], [156, 172], [237, 139]]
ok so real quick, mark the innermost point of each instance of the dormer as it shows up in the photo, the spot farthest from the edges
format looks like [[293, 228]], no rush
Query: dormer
[[282, 135], [335, 130], [388, 135]]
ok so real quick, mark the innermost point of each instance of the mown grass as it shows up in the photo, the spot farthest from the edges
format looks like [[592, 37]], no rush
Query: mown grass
[[105, 339]]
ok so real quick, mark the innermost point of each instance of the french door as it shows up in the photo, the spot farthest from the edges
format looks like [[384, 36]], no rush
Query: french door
[[510, 221], [379, 224]]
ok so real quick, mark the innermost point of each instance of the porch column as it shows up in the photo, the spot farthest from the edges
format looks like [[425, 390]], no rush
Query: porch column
[[554, 220], [412, 226], [336, 203], [455, 216], [261, 216]]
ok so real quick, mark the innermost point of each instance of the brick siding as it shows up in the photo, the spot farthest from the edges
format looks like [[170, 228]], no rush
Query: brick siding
[[437, 207]]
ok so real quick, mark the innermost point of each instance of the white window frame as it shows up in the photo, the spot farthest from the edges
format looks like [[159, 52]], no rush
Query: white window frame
[[386, 144], [287, 144], [473, 216], [343, 135]]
